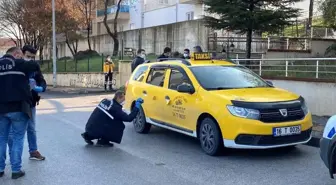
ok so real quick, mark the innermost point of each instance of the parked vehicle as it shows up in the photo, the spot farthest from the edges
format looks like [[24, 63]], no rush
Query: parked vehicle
[[223, 104], [328, 146]]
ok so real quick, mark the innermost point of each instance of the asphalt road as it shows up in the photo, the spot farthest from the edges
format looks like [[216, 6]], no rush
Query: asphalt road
[[160, 158]]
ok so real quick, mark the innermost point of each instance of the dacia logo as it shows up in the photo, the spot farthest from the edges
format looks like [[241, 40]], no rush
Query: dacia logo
[[283, 112]]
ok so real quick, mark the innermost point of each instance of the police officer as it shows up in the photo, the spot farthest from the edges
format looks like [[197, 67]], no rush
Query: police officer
[[38, 84], [106, 121], [15, 106]]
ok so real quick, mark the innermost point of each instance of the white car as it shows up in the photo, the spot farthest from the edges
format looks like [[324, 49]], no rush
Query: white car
[[328, 146]]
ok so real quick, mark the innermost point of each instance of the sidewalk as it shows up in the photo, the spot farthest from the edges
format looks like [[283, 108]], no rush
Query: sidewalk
[[77, 90]]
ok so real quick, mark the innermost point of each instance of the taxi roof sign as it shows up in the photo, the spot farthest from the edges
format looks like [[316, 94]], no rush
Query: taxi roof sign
[[202, 56]]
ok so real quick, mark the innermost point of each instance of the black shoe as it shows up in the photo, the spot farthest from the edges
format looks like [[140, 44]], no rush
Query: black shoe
[[19, 174], [2, 174], [86, 139], [102, 143]]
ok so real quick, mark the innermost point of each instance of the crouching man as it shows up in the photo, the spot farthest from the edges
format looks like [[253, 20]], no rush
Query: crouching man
[[106, 121]]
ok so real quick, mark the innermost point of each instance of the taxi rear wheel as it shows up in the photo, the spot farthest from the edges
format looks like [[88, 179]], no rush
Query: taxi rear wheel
[[210, 137], [140, 124]]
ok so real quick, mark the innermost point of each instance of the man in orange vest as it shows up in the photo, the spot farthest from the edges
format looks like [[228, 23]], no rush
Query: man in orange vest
[[108, 72]]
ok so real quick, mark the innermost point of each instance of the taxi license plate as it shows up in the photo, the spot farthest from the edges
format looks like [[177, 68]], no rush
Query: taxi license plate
[[286, 131]]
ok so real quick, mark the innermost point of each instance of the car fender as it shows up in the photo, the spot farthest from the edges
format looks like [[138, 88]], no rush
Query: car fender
[[329, 135]]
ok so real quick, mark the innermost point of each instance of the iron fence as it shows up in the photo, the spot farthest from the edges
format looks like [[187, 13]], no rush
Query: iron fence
[[320, 68]]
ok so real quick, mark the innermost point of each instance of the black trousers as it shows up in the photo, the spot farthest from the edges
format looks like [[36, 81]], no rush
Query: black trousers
[[108, 80]]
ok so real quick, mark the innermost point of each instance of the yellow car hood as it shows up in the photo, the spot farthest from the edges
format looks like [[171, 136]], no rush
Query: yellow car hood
[[257, 94]]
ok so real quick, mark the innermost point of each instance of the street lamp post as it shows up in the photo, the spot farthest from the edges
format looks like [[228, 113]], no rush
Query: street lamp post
[[54, 43]]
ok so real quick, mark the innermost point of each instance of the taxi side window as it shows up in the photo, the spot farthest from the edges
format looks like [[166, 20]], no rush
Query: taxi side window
[[156, 77], [176, 79], [140, 73]]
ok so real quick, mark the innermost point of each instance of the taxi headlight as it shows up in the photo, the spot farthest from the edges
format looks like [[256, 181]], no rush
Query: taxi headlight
[[244, 112], [304, 108]]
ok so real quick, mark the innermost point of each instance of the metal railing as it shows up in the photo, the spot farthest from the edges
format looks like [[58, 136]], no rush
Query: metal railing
[[320, 68]]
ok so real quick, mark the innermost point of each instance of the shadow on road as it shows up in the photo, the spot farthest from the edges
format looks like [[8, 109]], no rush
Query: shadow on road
[[237, 153]]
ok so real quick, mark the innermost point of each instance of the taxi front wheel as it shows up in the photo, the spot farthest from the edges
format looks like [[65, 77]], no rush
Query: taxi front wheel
[[210, 137], [140, 124]]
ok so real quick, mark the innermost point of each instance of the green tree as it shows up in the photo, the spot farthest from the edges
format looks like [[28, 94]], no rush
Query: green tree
[[328, 9], [248, 16]]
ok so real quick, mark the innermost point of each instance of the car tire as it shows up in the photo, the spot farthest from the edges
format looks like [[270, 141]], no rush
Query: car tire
[[140, 124], [210, 137]]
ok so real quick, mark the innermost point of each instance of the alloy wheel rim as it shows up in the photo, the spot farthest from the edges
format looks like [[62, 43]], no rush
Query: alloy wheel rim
[[207, 137], [138, 121]]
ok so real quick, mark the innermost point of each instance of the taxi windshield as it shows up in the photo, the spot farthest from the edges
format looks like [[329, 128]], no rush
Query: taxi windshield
[[227, 77]]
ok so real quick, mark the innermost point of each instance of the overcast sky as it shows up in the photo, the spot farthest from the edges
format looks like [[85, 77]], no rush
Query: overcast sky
[[305, 6]]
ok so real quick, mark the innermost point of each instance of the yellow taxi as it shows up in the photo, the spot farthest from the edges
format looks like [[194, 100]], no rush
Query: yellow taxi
[[223, 104]]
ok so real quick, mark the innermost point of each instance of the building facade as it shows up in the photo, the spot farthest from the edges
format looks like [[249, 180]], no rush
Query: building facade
[[153, 25], [137, 14]]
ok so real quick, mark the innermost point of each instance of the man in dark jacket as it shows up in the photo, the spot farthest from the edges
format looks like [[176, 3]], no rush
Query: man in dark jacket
[[166, 54], [106, 121], [37, 84], [15, 107], [186, 54], [139, 59]]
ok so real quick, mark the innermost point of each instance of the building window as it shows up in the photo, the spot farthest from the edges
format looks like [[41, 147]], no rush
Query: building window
[[190, 16]]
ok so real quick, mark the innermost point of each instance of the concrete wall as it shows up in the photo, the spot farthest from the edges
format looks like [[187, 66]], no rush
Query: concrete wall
[[320, 97], [318, 48], [178, 36], [91, 80]]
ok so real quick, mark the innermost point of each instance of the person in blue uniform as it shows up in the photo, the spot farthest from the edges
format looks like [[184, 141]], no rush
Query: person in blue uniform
[[106, 121], [37, 85], [15, 107]]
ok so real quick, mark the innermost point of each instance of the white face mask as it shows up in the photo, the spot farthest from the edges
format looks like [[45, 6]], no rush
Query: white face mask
[[185, 55], [122, 103], [27, 59], [143, 56], [108, 59]]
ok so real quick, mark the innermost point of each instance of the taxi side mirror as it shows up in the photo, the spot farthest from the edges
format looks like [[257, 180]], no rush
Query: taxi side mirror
[[185, 88], [269, 82]]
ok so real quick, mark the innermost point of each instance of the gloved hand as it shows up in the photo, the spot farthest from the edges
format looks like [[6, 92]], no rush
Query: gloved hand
[[38, 89], [138, 103]]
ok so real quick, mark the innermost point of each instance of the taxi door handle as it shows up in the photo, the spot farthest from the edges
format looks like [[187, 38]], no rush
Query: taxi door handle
[[167, 99], [145, 93]]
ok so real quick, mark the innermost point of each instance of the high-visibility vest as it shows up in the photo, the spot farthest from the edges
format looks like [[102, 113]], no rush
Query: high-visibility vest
[[108, 67]]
